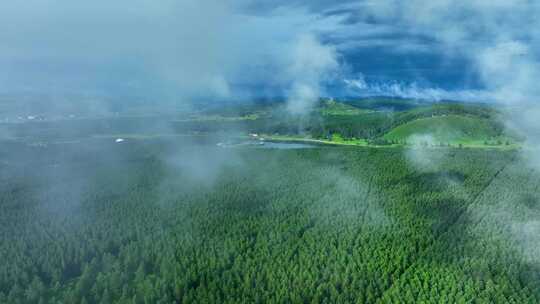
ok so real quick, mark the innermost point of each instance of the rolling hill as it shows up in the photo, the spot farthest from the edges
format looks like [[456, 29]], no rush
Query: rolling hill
[[447, 129]]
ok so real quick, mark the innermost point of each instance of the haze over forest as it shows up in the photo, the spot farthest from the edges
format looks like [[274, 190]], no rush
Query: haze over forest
[[241, 151]]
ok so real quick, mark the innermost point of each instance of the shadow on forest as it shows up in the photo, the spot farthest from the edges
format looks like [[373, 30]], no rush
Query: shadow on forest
[[437, 181], [457, 242], [530, 201], [434, 199], [443, 208]]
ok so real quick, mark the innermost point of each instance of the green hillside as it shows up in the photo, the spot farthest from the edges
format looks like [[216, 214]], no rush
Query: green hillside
[[447, 129], [331, 107]]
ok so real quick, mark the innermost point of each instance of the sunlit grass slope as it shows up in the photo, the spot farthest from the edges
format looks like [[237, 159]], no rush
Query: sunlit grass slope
[[447, 129]]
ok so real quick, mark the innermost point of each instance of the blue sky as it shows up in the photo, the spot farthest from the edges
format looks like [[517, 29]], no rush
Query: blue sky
[[191, 49]]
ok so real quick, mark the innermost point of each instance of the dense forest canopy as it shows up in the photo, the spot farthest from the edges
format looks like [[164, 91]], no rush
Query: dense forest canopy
[[181, 220], [301, 151]]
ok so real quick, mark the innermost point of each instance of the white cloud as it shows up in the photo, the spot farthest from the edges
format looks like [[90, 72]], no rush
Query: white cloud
[[311, 63], [191, 47], [360, 87]]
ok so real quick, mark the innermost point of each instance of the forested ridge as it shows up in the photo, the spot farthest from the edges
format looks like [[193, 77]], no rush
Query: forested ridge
[[321, 225]]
